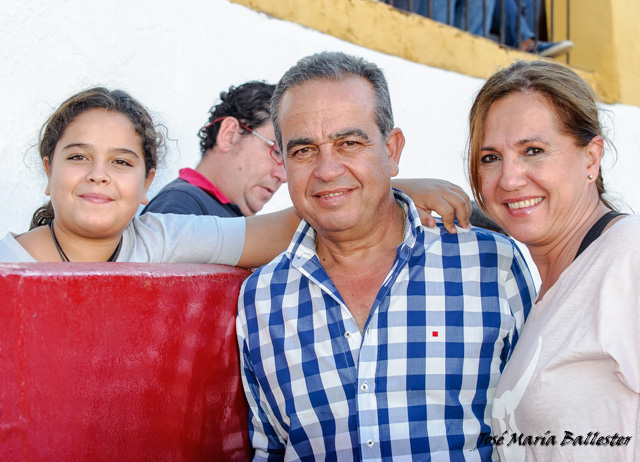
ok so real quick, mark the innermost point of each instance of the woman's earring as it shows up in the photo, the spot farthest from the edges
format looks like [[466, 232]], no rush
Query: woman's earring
[[590, 177]]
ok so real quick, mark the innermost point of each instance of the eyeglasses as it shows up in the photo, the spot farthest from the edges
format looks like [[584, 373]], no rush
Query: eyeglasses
[[273, 147]]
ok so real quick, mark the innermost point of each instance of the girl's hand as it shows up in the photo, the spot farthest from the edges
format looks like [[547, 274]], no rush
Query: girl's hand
[[431, 195]]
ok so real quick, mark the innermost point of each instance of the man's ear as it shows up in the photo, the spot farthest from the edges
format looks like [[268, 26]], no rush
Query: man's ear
[[595, 150], [47, 169], [395, 144], [147, 183], [228, 134]]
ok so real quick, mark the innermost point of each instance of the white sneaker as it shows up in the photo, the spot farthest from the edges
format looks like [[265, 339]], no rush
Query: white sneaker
[[552, 49]]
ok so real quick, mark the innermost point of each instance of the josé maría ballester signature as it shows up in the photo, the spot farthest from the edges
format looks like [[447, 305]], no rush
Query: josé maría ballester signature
[[590, 439]]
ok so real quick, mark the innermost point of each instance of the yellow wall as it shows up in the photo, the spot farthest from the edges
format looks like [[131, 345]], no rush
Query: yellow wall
[[605, 33], [606, 37]]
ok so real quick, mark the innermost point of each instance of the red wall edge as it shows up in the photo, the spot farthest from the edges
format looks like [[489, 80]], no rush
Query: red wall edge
[[124, 361]]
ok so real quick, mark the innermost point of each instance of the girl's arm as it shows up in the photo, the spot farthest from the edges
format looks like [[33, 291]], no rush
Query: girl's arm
[[267, 235]]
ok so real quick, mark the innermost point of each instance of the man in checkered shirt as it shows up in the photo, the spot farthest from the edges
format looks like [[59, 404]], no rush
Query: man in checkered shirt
[[371, 337]]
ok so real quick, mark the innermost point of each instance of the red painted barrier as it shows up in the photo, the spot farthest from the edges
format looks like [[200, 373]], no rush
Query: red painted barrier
[[120, 362]]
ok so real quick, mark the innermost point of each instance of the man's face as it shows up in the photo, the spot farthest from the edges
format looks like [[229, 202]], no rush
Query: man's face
[[338, 165], [256, 175]]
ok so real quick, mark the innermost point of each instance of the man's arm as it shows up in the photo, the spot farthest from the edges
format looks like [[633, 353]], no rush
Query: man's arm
[[266, 441], [520, 292]]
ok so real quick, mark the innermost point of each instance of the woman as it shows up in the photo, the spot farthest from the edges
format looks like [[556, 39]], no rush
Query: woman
[[534, 165], [100, 151]]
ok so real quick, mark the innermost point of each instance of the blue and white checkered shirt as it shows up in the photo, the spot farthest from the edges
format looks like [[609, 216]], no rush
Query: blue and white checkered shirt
[[417, 384]]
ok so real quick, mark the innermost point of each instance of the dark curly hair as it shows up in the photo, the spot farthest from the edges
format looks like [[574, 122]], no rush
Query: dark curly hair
[[97, 98], [250, 103]]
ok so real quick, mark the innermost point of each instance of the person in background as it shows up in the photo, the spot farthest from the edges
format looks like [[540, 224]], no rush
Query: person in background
[[372, 337], [526, 41], [534, 163], [484, 16], [241, 167]]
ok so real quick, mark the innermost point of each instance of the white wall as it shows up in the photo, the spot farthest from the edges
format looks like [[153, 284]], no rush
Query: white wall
[[176, 60]]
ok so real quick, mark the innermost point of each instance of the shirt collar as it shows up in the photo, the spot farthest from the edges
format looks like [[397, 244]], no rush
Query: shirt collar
[[196, 178], [413, 218]]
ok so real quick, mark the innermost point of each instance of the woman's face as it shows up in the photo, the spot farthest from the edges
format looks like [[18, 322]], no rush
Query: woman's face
[[97, 175], [533, 178]]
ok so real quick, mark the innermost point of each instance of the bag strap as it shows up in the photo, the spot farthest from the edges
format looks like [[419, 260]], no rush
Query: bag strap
[[597, 229]]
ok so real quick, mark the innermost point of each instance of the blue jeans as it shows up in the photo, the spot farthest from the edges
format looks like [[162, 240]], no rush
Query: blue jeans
[[443, 10], [440, 10], [492, 18], [512, 16], [476, 16], [457, 10], [453, 12]]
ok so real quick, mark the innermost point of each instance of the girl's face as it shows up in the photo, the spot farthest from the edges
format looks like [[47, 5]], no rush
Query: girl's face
[[97, 175]]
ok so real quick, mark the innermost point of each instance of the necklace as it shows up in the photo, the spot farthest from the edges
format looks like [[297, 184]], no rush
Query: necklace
[[63, 256], [315, 238]]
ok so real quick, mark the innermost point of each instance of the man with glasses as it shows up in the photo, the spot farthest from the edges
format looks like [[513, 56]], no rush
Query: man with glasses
[[241, 167]]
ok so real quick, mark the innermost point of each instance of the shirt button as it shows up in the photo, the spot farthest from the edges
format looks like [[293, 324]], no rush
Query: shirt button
[[368, 329], [364, 387], [370, 443], [347, 334]]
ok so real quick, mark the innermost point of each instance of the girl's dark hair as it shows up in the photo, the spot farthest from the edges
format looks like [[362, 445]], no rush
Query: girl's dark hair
[[97, 98]]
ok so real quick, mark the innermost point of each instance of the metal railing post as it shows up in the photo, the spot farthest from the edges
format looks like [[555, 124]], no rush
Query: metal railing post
[[551, 24], [502, 23], [484, 18], [518, 18], [568, 34]]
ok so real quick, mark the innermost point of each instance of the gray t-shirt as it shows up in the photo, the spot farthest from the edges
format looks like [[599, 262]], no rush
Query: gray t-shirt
[[165, 238]]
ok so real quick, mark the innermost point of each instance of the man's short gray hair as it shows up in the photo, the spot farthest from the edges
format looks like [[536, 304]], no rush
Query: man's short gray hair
[[335, 66]]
